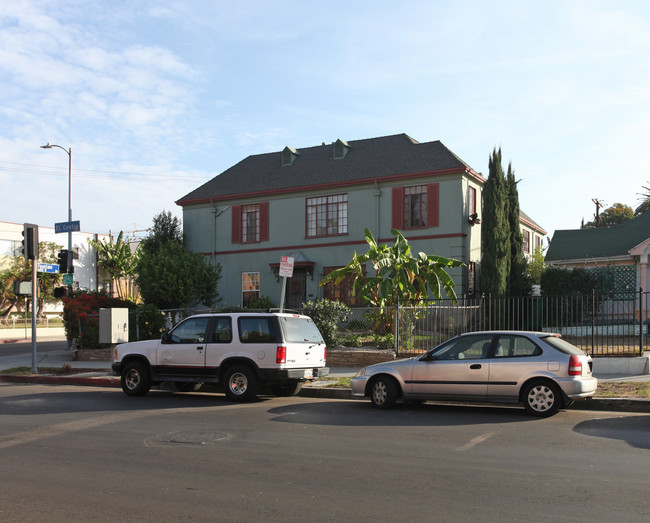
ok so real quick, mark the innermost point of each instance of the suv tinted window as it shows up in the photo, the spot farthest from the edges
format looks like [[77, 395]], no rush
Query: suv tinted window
[[300, 330], [221, 330], [191, 330], [257, 329]]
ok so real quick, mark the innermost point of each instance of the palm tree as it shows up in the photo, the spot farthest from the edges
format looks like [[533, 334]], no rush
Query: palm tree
[[117, 259], [398, 276]]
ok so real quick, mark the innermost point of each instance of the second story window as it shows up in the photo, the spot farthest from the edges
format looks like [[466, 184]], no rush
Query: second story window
[[415, 207], [250, 223], [526, 242], [327, 215]]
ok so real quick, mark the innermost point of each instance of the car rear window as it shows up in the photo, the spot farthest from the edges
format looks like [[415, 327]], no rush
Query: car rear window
[[562, 345], [300, 330]]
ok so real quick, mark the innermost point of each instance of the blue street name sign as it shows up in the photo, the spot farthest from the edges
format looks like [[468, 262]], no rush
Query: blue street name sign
[[47, 267], [67, 227]]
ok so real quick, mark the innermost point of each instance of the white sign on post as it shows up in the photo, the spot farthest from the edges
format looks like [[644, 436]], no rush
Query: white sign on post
[[286, 266], [286, 271]]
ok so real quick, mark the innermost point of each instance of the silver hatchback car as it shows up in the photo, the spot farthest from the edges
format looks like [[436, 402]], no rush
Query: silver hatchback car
[[537, 369]]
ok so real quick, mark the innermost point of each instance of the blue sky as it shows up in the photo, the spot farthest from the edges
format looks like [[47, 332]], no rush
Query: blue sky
[[155, 98]]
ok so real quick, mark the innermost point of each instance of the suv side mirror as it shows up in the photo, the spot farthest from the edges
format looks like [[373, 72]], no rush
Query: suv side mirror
[[165, 338]]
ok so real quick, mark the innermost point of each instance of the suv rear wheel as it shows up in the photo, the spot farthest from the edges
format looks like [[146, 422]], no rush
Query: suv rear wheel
[[240, 383]]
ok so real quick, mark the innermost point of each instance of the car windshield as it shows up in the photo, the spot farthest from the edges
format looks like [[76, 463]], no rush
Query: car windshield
[[298, 329], [562, 345]]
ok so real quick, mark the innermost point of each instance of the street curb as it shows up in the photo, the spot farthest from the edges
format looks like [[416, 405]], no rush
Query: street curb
[[604, 404]]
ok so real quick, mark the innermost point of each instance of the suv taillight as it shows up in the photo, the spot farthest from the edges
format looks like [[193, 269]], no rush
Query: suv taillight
[[281, 355], [575, 366]]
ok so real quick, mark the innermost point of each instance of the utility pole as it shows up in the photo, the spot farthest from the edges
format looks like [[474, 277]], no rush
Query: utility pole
[[598, 206]]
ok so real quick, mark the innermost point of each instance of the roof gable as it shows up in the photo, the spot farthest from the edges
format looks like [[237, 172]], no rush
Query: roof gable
[[603, 242], [364, 160]]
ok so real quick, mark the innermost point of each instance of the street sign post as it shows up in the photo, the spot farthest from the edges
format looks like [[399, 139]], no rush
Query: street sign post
[[286, 271], [74, 226]]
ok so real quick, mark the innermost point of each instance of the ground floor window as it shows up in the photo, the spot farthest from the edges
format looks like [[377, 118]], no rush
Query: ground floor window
[[250, 285], [343, 291]]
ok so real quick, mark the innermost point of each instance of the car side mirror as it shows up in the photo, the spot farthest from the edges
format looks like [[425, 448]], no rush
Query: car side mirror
[[165, 338]]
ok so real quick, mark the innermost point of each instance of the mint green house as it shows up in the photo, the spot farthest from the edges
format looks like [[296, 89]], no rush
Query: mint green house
[[313, 205]]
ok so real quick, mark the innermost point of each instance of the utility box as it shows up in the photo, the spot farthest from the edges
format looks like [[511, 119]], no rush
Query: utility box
[[113, 326]]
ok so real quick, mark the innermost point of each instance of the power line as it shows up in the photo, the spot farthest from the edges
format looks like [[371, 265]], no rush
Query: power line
[[44, 170]]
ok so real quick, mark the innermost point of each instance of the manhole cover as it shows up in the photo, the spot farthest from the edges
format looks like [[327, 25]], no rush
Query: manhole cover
[[186, 438]]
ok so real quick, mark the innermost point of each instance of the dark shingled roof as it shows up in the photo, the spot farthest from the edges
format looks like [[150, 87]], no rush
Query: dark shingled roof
[[602, 242], [369, 159]]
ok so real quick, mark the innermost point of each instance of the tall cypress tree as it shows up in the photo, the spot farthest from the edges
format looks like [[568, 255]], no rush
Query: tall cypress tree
[[495, 230], [517, 282]]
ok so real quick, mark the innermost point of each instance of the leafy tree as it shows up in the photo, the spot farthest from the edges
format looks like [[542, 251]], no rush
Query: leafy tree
[[495, 231], [518, 284], [614, 215], [536, 266], [117, 259], [168, 275], [21, 270]]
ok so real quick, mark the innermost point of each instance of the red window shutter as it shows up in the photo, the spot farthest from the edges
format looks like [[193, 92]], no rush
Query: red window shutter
[[398, 208], [236, 223], [433, 205], [264, 221]]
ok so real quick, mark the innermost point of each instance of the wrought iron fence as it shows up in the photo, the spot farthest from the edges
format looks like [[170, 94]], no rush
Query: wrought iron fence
[[611, 324]]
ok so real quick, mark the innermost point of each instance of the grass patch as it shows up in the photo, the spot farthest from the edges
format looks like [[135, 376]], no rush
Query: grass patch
[[336, 383], [618, 389]]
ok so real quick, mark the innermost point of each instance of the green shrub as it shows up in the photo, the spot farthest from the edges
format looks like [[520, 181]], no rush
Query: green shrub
[[262, 303], [81, 316], [150, 321], [327, 316]]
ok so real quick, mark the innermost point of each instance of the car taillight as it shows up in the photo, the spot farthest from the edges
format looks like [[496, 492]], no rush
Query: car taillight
[[325, 353], [575, 366], [281, 355]]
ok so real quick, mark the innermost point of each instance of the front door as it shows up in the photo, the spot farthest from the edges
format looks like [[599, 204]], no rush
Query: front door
[[297, 289]]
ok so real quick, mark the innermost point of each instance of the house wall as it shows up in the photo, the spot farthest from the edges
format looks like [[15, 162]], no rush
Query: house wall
[[208, 230]]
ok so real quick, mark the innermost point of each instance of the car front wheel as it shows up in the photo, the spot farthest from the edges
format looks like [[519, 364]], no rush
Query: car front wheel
[[542, 398], [383, 392]]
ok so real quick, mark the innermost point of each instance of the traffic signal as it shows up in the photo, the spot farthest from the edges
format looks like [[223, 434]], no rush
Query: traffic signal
[[30, 241], [60, 292], [62, 260]]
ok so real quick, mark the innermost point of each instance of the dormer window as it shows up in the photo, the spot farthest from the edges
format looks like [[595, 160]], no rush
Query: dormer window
[[289, 155], [341, 148]]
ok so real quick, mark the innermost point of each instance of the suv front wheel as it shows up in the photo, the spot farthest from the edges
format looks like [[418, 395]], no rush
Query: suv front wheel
[[135, 379], [240, 383]]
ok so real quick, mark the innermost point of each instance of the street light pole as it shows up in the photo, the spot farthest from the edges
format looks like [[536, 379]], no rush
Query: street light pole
[[69, 261], [69, 153]]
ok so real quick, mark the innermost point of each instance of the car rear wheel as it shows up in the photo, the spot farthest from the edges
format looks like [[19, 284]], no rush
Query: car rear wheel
[[135, 379], [542, 398], [383, 392], [240, 383]]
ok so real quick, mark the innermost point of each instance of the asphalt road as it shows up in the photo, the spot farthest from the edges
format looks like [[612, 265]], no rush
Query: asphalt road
[[78, 453]]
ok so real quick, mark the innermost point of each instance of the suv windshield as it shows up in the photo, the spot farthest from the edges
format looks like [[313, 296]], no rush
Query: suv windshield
[[300, 330]]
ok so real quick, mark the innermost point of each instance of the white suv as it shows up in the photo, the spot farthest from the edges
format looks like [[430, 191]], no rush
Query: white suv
[[242, 351]]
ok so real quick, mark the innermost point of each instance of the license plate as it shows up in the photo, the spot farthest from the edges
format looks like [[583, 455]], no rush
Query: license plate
[[309, 373]]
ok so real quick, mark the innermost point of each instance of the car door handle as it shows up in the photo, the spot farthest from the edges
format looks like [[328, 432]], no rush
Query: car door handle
[[475, 366], [200, 347]]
